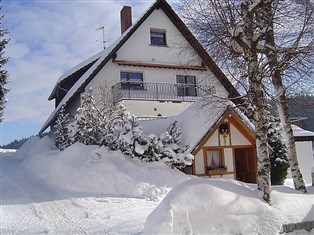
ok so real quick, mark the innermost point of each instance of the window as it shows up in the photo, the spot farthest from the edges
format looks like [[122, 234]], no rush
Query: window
[[158, 37], [223, 129], [214, 160], [186, 85], [132, 80]]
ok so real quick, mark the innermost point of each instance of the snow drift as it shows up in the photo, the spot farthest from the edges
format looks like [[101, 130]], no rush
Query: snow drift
[[94, 169], [193, 206], [203, 206]]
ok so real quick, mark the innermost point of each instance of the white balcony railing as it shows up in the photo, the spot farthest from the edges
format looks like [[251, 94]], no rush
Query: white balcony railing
[[160, 91]]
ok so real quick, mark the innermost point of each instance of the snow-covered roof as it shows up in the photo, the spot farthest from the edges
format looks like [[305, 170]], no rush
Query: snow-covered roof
[[301, 134], [107, 54], [73, 70], [196, 121], [103, 55]]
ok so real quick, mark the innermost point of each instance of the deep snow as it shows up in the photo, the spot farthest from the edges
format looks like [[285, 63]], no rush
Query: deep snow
[[88, 190]]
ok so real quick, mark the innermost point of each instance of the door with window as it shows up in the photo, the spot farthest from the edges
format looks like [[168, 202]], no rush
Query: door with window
[[186, 85]]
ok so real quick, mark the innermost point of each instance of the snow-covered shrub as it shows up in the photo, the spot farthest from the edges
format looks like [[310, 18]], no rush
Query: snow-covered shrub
[[88, 121], [166, 148], [117, 129], [62, 131], [279, 157]]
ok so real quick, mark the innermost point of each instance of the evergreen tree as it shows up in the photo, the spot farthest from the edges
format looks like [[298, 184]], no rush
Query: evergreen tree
[[279, 157], [166, 148], [154, 149], [88, 121], [62, 131], [175, 132], [3, 73]]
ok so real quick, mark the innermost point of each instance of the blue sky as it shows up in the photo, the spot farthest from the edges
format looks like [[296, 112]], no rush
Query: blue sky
[[48, 38]]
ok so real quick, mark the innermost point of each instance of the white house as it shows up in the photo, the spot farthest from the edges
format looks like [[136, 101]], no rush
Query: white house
[[156, 66]]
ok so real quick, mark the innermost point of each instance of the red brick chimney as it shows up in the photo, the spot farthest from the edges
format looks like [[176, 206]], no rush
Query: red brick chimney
[[126, 18]]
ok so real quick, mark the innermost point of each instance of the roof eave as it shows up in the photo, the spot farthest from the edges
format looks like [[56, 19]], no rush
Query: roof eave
[[303, 138]]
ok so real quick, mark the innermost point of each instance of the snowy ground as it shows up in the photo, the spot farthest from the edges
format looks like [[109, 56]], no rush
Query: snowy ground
[[89, 190], [30, 206]]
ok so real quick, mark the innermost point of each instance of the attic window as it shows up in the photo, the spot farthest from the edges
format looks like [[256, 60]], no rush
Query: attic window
[[158, 37], [223, 129]]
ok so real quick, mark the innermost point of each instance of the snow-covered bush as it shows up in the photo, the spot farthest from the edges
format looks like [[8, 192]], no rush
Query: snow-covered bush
[[117, 129], [279, 157], [123, 132], [166, 148], [88, 121], [62, 131]]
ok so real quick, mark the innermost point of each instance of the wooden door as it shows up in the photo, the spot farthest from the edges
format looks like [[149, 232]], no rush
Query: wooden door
[[245, 164]]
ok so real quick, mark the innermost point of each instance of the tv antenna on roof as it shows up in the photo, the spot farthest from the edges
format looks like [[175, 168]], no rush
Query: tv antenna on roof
[[103, 35]]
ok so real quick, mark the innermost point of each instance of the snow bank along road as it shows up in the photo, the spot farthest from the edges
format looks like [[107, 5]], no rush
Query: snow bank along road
[[29, 205]]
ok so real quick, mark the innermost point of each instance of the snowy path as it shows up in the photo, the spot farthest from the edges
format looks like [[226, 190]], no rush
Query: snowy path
[[29, 205]]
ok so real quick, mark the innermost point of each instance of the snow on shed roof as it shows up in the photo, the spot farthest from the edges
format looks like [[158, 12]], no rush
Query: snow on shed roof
[[196, 121], [301, 134]]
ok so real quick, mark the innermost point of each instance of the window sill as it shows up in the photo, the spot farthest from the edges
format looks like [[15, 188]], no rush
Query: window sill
[[133, 88], [217, 172], [156, 45]]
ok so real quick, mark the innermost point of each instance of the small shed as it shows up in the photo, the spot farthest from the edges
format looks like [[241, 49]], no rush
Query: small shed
[[304, 144], [220, 137]]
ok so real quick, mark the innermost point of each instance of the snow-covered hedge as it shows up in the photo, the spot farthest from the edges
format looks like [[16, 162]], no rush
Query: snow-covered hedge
[[119, 130]]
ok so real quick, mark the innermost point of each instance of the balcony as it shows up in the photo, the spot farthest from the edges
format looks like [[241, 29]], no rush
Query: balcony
[[160, 91]]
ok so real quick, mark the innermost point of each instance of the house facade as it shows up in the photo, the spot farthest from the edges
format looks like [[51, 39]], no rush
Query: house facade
[[156, 67]]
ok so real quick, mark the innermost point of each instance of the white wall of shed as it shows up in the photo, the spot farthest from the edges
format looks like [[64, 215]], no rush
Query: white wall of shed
[[305, 160]]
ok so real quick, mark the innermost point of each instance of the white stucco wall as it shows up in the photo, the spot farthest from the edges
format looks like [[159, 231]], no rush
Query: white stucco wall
[[153, 108], [138, 47], [228, 153], [237, 138], [199, 163], [213, 140], [305, 159], [177, 52]]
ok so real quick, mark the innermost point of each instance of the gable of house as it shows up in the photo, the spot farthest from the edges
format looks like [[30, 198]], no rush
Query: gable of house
[[228, 149], [123, 53]]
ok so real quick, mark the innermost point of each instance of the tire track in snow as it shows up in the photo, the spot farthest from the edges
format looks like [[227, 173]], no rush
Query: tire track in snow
[[37, 207]]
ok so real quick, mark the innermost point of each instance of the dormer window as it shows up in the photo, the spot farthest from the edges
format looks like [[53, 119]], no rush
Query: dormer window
[[158, 37]]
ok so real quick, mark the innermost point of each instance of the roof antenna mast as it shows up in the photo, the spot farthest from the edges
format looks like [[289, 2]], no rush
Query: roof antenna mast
[[103, 35]]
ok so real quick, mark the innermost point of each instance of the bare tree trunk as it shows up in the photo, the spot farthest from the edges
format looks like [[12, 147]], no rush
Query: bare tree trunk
[[261, 124], [281, 102], [259, 102], [282, 106]]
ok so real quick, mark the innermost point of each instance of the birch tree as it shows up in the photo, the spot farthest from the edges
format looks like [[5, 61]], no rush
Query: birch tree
[[284, 55], [232, 29], [241, 35]]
